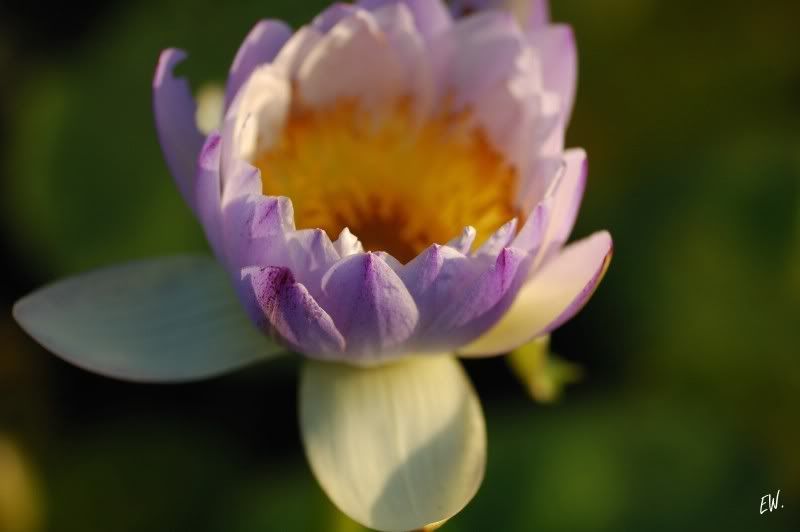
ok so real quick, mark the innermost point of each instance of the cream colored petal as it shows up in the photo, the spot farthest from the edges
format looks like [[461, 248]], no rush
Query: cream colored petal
[[262, 110], [354, 60], [397, 447]]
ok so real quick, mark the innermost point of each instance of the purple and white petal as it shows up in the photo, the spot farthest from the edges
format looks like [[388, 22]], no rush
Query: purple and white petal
[[312, 254], [175, 111], [396, 21], [353, 60], [262, 112], [480, 52], [538, 13], [255, 231], [555, 45], [463, 242], [208, 194], [332, 15], [260, 46], [480, 304], [296, 49], [531, 14], [282, 306], [430, 16], [537, 179], [259, 231], [435, 279], [393, 263], [370, 306], [530, 237], [459, 297], [552, 296], [348, 244], [487, 62], [566, 202], [499, 240]]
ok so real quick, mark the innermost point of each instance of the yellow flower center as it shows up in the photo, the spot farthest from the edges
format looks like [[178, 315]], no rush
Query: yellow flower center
[[397, 184]]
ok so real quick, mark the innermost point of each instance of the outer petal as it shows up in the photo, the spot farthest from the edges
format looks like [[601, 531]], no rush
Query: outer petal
[[555, 294], [259, 231], [397, 447], [397, 23], [312, 254], [531, 235], [537, 178], [353, 60], [558, 52], [459, 297], [208, 194], [285, 307], [171, 319], [262, 110], [292, 55], [499, 240], [437, 278], [255, 230], [483, 302], [260, 46], [566, 202], [488, 62], [480, 52], [538, 12], [370, 306], [332, 15], [463, 242], [430, 16], [348, 244], [175, 111], [531, 14]]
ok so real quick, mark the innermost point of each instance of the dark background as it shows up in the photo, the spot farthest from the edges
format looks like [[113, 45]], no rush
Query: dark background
[[688, 411]]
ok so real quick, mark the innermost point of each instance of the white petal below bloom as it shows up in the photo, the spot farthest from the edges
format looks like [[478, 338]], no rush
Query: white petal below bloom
[[398, 447]]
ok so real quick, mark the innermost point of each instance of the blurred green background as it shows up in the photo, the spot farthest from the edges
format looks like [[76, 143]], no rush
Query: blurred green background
[[688, 411]]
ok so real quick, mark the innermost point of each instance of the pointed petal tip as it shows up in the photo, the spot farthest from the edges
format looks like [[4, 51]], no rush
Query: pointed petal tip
[[168, 59]]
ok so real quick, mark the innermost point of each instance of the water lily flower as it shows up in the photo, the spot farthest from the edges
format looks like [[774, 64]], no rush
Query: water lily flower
[[388, 190]]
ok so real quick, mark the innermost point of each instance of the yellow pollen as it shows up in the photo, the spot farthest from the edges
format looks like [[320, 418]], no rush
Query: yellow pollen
[[397, 184]]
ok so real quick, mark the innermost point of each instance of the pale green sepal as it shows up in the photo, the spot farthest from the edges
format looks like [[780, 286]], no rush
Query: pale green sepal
[[160, 320]]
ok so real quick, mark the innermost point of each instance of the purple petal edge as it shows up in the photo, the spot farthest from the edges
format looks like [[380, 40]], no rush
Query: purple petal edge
[[260, 46], [281, 305], [174, 109]]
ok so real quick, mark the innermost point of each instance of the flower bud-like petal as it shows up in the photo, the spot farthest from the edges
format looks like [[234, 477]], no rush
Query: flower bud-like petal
[[175, 109]]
